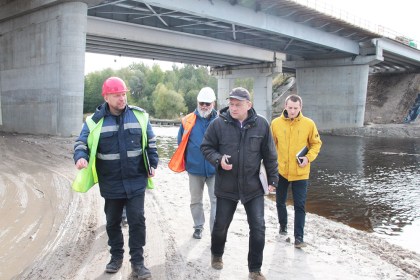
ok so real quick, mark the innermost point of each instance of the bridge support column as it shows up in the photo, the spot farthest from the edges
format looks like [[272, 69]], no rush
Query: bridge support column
[[224, 86], [262, 91], [42, 74], [335, 96]]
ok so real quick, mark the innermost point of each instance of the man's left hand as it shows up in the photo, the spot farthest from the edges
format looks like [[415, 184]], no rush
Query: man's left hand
[[152, 170], [305, 161]]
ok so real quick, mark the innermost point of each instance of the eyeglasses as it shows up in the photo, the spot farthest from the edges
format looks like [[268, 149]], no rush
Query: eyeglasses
[[204, 103]]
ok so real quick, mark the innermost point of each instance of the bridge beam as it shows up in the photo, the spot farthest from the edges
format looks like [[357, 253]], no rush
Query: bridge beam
[[238, 15], [113, 37], [42, 73]]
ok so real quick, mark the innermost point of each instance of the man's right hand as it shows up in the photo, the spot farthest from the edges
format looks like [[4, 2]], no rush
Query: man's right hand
[[224, 163], [81, 163]]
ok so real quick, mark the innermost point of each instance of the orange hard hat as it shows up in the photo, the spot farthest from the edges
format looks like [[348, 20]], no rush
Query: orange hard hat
[[113, 85]]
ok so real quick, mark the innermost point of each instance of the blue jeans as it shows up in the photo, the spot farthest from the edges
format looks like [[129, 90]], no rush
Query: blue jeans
[[137, 227], [299, 190], [255, 216]]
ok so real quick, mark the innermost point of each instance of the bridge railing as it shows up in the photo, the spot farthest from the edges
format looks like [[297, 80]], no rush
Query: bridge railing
[[341, 14]]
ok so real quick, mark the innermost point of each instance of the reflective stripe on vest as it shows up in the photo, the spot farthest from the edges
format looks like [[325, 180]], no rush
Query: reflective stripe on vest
[[87, 177]]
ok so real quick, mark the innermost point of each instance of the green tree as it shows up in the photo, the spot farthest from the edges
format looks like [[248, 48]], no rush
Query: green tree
[[168, 104], [93, 89], [191, 99], [189, 80], [152, 77], [143, 80], [191, 77]]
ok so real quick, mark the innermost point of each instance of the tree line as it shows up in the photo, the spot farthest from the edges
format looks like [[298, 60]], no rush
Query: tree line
[[163, 94]]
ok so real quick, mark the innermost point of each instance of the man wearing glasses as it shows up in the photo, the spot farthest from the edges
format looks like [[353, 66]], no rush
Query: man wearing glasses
[[200, 171]]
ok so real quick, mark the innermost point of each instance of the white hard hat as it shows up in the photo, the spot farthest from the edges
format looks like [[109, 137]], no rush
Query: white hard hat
[[206, 94]]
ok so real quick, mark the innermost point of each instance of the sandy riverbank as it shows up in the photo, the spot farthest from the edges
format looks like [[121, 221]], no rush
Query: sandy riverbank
[[50, 232]]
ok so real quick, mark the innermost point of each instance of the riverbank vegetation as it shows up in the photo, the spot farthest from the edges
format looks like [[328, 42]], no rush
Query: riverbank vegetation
[[163, 94]]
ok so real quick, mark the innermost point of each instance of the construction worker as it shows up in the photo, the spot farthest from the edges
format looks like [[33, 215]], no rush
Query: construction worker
[[122, 156]]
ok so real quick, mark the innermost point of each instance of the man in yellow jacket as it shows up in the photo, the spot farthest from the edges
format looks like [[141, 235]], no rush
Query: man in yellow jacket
[[298, 144]]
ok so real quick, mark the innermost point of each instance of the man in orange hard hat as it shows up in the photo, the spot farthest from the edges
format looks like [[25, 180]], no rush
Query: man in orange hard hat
[[126, 156]]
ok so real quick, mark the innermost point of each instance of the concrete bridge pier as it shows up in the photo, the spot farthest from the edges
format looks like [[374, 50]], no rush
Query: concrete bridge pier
[[334, 96], [42, 54], [262, 91], [334, 91], [263, 96], [224, 86]]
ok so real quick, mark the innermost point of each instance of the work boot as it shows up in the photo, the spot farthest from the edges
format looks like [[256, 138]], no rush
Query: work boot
[[141, 271], [114, 265], [197, 233], [216, 262], [256, 275], [299, 243], [283, 230]]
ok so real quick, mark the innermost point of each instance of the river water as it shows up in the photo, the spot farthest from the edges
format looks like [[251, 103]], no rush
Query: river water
[[371, 184]]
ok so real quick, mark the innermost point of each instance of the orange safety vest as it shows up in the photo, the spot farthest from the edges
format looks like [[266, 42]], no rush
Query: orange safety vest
[[177, 162]]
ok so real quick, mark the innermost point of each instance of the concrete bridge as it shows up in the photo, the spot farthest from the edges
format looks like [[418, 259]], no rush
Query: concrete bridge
[[43, 43]]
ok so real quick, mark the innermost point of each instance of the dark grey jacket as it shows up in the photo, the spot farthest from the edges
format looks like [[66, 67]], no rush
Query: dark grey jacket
[[246, 146]]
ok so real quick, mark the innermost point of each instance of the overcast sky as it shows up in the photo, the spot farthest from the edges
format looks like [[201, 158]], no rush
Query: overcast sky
[[398, 16]]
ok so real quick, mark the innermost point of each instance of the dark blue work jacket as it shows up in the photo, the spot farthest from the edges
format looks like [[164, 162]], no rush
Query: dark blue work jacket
[[119, 159]]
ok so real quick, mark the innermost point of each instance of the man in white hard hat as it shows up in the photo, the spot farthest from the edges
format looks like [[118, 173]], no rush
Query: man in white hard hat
[[200, 171]]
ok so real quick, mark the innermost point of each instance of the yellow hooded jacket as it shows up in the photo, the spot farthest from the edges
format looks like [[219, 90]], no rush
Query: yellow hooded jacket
[[290, 136]]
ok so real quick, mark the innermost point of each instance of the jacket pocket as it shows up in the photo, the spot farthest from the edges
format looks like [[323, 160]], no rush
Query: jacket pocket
[[134, 139], [303, 171], [108, 143], [255, 143]]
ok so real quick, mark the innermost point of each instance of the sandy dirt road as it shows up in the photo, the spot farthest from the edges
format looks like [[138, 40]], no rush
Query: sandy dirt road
[[49, 232]]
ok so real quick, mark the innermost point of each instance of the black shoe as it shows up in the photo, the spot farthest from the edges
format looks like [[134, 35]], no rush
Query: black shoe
[[216, 262], [300, 244], [256, 275], [141, 271], [283, 230], [197, 233], [114, 265]]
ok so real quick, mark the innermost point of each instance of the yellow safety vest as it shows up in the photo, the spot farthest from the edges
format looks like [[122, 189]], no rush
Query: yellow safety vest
[[87, 177]]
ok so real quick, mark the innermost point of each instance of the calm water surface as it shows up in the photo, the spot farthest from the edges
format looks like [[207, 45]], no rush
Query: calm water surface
[[372, 184]]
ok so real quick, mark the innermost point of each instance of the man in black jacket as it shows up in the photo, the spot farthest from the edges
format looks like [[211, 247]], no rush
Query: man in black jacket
[[235, 143]]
